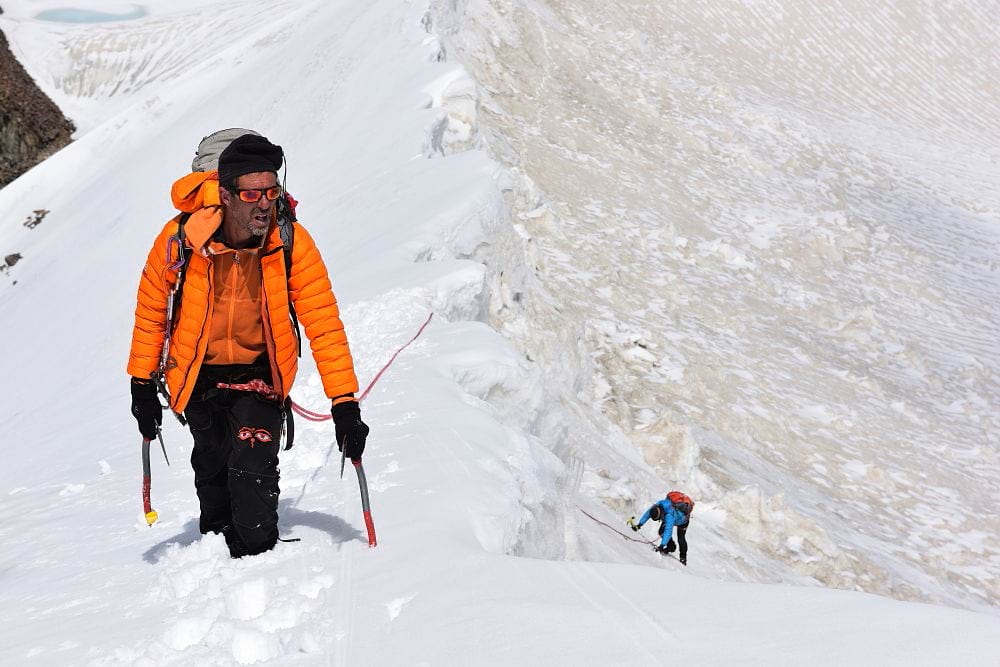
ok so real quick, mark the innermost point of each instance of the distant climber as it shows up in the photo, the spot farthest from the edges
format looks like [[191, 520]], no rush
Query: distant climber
[[674, 510]]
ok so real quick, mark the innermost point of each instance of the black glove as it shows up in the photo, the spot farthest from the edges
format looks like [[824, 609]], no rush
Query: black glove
[[351, 431], [662, 549], [635, 527], [146, 407]]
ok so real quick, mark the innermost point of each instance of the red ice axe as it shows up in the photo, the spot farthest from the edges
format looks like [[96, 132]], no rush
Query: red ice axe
[[365, 506], [362, 481], [147, 506], [358, 468]]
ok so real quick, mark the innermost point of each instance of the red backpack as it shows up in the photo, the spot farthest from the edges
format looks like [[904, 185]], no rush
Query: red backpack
[[681, 503]]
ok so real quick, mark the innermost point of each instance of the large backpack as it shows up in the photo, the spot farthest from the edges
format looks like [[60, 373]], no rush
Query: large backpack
[[681, 503]]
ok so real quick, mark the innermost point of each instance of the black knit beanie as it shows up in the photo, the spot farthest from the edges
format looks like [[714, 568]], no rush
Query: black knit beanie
[[246, 155]]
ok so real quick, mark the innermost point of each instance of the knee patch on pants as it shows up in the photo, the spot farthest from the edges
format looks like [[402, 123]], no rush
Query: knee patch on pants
[[255, 508]]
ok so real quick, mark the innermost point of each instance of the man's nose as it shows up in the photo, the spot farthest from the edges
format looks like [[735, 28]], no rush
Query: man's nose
[[264, 203]]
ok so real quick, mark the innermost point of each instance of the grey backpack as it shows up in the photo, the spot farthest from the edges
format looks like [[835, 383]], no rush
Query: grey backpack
[[206, 158]]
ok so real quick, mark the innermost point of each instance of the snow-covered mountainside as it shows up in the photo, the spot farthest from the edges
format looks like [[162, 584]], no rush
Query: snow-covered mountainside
[[767, 233], [489, 442]]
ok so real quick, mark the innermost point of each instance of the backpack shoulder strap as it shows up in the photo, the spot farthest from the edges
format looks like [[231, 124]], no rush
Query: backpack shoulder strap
[[286, 227], [287, 230]]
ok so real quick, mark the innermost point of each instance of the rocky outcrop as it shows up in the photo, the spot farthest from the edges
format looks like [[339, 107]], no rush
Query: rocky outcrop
[[31, 126]]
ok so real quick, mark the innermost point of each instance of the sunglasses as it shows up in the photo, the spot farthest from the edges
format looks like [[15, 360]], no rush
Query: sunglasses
[[253, 195]]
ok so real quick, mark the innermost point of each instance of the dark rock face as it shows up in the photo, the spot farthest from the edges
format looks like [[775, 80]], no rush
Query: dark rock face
[[31, 126]]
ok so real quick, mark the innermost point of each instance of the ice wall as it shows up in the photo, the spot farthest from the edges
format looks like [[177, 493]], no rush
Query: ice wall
[[761, 241]]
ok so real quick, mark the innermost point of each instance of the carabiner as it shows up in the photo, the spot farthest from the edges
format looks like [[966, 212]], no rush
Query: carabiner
[[171, 243]]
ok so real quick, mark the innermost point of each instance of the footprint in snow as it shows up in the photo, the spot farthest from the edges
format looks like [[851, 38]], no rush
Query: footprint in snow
[[248, 600], [233, 607]]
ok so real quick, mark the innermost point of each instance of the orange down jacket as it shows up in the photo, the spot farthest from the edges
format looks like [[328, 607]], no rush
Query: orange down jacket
[[308, 285]]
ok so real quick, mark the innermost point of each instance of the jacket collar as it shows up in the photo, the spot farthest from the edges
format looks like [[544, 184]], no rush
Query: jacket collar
[[197, 193]]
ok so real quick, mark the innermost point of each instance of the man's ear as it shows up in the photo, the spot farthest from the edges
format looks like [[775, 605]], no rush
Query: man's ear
[[225, 196]]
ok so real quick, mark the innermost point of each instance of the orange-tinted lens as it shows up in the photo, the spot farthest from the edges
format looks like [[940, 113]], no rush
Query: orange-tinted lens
[[251, 196]]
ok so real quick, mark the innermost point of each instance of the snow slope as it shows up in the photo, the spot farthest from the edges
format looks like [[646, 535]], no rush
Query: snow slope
[[763, 237], [474, 468]]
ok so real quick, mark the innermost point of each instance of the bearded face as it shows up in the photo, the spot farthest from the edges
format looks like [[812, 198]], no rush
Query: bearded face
[[254, 217]]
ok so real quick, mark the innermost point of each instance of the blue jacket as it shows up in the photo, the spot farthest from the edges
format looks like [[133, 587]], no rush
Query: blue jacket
[[671, 518]]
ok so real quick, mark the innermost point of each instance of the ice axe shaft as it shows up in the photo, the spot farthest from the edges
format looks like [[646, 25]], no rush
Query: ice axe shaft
[[363, 484], [147, 506], [365, 506]]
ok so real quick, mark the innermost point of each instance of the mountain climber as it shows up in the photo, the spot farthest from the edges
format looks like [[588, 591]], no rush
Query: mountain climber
[[674, 510], [227, 358]]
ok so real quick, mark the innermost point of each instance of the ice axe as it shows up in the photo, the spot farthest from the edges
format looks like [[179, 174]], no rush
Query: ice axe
[[365, 506], [147, 507], [362, 481]]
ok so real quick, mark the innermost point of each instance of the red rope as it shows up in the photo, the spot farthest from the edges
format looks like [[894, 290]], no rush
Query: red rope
[[308, 415], [379, 374], [319, 417], [266, 390], [259, 386]]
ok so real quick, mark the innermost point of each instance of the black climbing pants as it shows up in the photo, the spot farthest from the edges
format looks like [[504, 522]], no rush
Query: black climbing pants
[[681, 541], [235, 458]]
